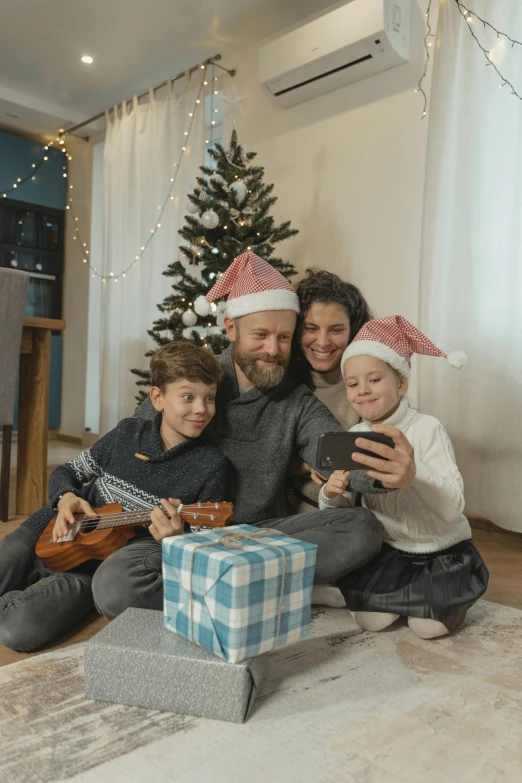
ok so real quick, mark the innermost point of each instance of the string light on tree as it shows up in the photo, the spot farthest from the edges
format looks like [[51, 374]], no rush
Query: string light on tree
[[233, 190]]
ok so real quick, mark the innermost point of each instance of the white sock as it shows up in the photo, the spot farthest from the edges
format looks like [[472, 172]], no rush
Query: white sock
[[427, 628], [327, 595], [374, 621]]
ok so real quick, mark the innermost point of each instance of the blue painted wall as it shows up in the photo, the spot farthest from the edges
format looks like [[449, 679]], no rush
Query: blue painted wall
[[48, 189], [16, 158]]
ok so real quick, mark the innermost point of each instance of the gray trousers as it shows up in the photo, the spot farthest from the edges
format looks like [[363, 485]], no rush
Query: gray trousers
[[37, 606], [346, 539]]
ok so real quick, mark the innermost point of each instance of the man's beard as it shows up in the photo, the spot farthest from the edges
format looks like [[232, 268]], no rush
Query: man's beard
[[263, 377]]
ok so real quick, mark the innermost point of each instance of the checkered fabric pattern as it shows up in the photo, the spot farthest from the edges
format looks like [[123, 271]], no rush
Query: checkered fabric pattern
[[248, 274], [400, 335], [236, 592]]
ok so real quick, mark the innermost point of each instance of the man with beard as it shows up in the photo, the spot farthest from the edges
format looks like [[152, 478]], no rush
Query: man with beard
[[262, 419]]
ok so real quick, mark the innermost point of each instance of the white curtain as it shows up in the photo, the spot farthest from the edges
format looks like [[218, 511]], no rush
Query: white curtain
[[141, 148], [471, 286]]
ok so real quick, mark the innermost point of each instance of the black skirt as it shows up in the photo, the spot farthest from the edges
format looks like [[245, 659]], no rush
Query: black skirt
[[438, 585]]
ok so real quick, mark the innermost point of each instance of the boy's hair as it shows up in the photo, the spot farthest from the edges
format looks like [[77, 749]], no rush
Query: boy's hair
[[181, 359]]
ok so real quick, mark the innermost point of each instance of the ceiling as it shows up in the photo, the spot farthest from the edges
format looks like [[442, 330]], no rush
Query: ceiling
[[135, 44]]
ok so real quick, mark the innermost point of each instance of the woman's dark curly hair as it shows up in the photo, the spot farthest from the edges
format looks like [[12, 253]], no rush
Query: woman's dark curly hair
[[327, 288]]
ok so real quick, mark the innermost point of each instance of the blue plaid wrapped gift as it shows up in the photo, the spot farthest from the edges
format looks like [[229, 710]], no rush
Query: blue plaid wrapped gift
[[238, 591]]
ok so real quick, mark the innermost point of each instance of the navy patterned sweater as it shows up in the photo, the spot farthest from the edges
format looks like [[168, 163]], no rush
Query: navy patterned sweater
[[110, 472]]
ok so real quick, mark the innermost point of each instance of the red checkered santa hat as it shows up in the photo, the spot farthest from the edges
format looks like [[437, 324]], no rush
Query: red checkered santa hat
[[393, 340], [252, 286]]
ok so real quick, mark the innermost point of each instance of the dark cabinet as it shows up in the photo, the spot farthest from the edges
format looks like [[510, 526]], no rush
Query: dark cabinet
[[31, 240]]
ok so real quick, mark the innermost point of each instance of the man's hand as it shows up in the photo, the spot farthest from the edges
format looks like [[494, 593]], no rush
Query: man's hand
[[165, 520], [396, 469], [316, 477], [68, 506], [336, 484]]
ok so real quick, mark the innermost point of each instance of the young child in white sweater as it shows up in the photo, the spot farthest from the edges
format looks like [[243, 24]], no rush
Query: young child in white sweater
[[428, 569]]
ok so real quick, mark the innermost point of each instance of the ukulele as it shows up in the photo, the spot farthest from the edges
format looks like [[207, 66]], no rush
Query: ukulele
[[92, 538]]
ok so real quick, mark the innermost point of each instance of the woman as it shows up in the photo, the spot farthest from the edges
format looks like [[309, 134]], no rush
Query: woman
[[332, 312]]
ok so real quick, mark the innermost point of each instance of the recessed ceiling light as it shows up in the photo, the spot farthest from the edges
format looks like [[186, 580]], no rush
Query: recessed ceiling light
[[87, 59]]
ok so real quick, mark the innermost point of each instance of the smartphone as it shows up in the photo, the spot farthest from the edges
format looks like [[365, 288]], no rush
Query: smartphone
[[335, 449]]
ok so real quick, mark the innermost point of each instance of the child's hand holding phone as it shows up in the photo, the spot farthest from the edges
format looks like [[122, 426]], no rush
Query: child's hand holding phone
[[336, 484]]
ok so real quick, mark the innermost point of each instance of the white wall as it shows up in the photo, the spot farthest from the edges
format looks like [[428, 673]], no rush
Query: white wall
[[76, 293], [348, 169]]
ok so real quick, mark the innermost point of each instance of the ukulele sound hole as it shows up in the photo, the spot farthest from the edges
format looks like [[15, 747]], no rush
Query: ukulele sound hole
[[88, 526]]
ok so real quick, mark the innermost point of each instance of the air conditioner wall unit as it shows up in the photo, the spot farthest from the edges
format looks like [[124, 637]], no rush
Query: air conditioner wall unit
[[345, 45]]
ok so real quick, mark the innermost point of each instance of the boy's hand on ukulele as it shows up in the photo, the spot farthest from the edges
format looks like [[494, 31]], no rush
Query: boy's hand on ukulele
[[68, 506], [165, 520], [336, 484]]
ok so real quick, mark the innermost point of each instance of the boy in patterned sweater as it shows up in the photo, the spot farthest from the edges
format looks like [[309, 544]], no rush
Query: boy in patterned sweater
[[140, 464]]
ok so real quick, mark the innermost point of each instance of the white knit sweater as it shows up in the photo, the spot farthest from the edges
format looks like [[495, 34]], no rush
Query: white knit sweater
[[426, 516]]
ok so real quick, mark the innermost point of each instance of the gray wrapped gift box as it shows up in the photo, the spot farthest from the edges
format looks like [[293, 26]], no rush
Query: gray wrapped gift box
[[136, 661]]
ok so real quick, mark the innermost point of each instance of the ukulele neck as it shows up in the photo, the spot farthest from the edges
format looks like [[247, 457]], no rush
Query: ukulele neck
[[197, 513]]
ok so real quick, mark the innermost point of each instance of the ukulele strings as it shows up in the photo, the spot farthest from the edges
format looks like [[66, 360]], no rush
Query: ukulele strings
[[107, 520]]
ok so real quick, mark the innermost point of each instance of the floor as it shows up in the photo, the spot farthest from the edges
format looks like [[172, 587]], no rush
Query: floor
[[502, 551], [338, 707]]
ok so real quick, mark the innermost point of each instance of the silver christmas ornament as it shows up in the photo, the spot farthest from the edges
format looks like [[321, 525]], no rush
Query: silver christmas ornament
[[189, 318], [210, 219], [192, 208], [240, 189], [217, 179]]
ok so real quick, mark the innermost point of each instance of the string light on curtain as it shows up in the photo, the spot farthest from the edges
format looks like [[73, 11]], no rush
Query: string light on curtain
[[473, 22], [112, 276], [213, 110], [60, 143], [427, 48]]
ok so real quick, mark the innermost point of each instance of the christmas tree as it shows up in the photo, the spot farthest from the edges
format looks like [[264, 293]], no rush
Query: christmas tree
[[228, 215]]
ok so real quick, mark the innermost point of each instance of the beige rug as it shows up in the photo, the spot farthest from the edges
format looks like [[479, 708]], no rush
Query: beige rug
[[342, 707]]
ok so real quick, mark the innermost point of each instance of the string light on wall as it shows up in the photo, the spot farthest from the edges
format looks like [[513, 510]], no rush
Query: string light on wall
[[30, 176], [473, 22]]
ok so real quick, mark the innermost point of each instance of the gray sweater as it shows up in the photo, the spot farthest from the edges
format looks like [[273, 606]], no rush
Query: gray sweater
[[259, 431]]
